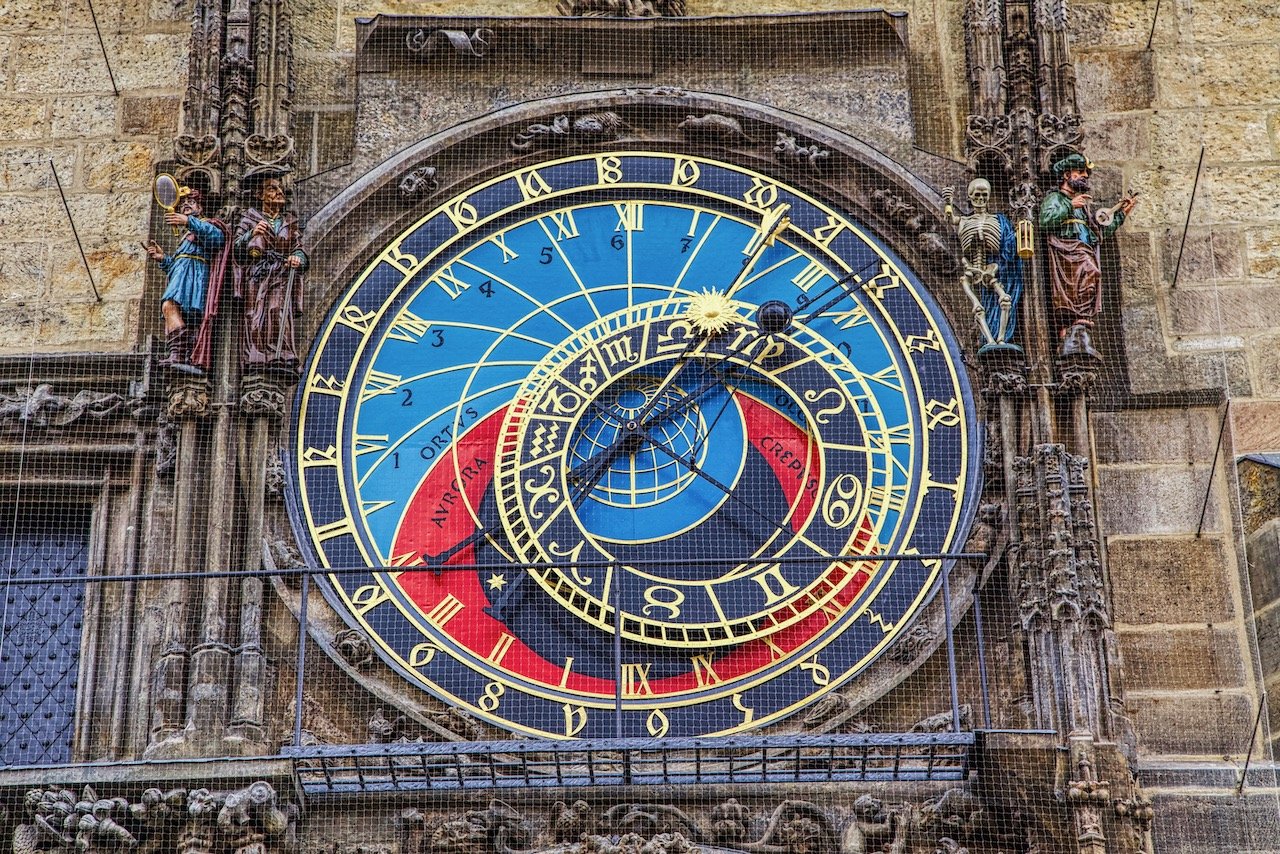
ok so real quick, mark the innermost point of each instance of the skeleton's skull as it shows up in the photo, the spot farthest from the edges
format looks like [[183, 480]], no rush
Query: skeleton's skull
[[979, 194]]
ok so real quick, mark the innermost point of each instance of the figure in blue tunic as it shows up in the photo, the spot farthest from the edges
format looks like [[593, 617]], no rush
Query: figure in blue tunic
[[199, 259], [991, 265]]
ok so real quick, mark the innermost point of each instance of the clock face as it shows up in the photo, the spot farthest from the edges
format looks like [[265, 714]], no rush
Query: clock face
[[609, 445]]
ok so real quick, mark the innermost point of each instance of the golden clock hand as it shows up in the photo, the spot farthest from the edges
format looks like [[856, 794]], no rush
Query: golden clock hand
[[774, 223]]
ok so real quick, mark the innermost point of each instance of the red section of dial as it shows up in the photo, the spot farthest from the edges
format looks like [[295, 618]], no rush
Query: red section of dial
[[441, 515]]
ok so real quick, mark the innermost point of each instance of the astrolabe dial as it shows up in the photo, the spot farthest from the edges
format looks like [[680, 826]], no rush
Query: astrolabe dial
[[645, 501], [623, 439]]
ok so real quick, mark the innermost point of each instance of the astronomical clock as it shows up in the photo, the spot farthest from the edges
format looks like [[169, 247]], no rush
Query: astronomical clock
[[624, 441]]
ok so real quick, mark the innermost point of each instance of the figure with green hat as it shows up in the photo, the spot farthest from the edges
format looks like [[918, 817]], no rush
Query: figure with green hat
[[1074, 230]]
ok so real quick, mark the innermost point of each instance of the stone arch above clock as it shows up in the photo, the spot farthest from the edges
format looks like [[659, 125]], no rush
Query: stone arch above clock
[[898, 206]]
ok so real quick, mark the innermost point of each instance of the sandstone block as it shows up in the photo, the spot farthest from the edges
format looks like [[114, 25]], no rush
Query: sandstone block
[[24, 269], [1156, 435], [113, 166], [1199, 822], [1238, 194], [1265, 358], [29, 216], [26, 169], [153, 61], [1169, 579], [24, 118], [335, 138], [1229, 308], [80, 116], [1157, 499], [1120, 24], [1267, 625], [146, 116], [32, 16], [1118, 138], [315, 25], [53, 64], [1192, 723], [1262, 249], [117, 267], [1114, 81], [1247, 20], [1229, 135], [1224, 75], [1207, 256], [20, 321], [1136, 274], [1166, 194], [167, 10], [1255, 424], [105, 216], [325, 79], [1183, 658]]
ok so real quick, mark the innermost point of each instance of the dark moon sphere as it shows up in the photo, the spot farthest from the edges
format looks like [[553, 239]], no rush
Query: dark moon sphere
[[774, 316]]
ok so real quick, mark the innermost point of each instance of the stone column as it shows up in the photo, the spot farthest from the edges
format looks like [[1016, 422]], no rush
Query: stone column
[[188, 405]]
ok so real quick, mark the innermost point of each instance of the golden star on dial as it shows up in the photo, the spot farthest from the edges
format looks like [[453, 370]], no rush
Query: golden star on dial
[[497, 581]]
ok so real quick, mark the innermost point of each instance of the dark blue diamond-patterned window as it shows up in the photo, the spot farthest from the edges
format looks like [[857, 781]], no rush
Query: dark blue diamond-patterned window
[[40, 628]]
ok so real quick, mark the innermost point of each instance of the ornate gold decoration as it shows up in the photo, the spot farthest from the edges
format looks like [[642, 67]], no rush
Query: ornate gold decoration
[[711, 312]]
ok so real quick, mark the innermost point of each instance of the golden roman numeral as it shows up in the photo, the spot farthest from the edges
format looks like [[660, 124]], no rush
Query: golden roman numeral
[[774, 584], [635, 679], [370, 444], [408, 327], [703, 671], [444, 611], [448, 282], [500, 647], [630, 216], [565, 225], [685, 173], [508, 254], [761, 194], [810, 276], [320, 457], [379, 382], [462, 214], [827, 233], [939, 414], [326, 385], [357, 319]]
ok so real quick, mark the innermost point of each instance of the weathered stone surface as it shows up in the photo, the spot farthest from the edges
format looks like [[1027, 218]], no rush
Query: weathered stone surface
[[1226, 75], [148, 115], [1157, 499], [118, 166], [1137, 274], [1229, 135], [1246, 21], [23, 268], [1125, 137], [1183, 658], [1189, 722], [1255, 425], [156, 60], [1196, 822], [24, 118], [1266, 360], [1238, 194], [1267, 626], [315, 25], [48, 65], [1260, 509], [1114, 81], [1223, 310], [27, 168], [1263, 251], [1209, 256], [325, 79], [1120, 24], [76, 116], [32, 16], [1156, 435], [1170, 579]]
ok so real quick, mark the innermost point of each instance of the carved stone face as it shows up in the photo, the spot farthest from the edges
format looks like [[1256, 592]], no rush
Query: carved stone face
[[979, 194]]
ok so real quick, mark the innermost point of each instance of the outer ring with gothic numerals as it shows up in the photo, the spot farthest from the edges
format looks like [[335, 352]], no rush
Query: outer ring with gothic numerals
[[753, 485]]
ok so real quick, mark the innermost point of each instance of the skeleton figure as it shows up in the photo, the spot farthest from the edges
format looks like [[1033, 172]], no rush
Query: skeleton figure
[[991, 265]]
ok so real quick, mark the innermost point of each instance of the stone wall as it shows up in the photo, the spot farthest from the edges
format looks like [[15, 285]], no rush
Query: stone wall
[[57, 103], [1209, 79]]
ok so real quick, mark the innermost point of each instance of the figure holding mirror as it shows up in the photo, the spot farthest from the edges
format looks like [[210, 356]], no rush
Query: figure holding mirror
[[194, 272]]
